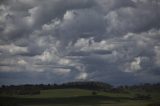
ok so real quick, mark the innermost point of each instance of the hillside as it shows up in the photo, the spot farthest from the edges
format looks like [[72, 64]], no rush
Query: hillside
[[80, 94]]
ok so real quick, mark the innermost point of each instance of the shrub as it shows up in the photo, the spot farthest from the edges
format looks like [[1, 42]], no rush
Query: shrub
[[94, 93]]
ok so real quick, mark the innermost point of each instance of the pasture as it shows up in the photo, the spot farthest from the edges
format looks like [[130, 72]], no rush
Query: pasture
[[81, 97]]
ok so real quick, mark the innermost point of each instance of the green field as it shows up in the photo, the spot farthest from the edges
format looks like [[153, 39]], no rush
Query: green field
[[79, 97]]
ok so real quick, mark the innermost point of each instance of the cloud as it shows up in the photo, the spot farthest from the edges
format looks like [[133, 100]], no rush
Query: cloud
[[49, 41], [13, 49], [135, 65], [157, 52], [47, 56], [91, 45], [61, 71], [82, 76], [133, 19], [22, 62]]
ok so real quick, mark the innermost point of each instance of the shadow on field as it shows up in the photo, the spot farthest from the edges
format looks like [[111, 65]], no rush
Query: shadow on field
[[10, 101]]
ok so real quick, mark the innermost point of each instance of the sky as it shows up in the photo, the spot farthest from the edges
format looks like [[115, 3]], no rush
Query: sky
[[56, 41]]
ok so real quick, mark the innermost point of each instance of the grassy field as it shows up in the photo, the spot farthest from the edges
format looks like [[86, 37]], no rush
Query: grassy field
[[79, 97]]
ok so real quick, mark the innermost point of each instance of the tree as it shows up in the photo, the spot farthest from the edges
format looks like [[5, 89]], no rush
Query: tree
[[94, 93]]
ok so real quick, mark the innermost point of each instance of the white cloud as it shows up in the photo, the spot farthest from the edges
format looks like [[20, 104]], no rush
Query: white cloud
[[136, 64], [13, 49], [157, 57], [22, 62], [90, 45], [133, 66], [48, 56], [69, 15], [82, 76], [29, 20], [64, 61], [62, 71], [51, 26]]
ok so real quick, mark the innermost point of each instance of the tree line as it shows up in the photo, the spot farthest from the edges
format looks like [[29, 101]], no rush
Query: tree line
[[33, 89]]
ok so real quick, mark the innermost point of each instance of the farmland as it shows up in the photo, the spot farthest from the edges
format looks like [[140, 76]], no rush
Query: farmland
[[83, 97]]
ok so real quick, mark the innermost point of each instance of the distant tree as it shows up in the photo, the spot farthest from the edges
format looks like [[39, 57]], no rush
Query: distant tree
[[143, 97], [3, 86], [94, 93]]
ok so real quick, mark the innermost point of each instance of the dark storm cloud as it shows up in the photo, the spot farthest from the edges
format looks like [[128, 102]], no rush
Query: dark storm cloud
[[137, 19], [116, 41]]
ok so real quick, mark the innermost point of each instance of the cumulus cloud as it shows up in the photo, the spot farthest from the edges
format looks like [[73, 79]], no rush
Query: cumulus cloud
[[90, 45], [135, 65], [82, 76], [157, 52], [58, 40], [61, 71], [13, 49]]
